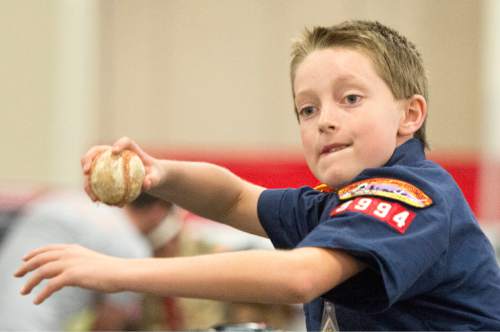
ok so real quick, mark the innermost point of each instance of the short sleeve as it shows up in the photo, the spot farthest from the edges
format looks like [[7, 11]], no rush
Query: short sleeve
[[288, 215], [398, 263]]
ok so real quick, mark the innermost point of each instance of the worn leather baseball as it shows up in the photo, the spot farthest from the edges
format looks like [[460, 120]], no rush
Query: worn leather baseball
[[116, 179]]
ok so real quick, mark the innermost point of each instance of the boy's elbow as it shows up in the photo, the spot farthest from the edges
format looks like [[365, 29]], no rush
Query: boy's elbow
[[315, 271], [302, 288]]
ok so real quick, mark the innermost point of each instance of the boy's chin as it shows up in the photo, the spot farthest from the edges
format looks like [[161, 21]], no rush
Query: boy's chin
[[337, 180]]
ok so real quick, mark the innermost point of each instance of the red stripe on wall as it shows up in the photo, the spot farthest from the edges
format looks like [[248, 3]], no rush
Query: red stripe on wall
[[465, 169], [280, 170]]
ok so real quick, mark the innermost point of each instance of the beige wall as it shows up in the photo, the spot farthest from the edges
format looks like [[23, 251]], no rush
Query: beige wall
[[198, 74], [216, 72], [26, 70]]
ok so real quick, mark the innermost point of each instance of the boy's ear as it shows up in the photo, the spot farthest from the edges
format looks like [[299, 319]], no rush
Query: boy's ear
[[413, 116]]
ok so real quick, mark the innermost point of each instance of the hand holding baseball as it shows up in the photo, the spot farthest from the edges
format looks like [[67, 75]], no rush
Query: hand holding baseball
[[117, 174]]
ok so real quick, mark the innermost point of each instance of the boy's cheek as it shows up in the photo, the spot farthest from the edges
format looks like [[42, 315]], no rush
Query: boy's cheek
[[308, 146]]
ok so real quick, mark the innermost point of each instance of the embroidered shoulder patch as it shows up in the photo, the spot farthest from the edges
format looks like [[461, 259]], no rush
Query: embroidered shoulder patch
[[391, 213], [384, 187]]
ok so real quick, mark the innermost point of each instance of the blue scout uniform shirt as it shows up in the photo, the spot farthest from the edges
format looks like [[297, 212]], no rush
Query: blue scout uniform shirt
[[429, 268]]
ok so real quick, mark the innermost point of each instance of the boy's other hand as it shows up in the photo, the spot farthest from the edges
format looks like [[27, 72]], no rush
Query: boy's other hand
[[69, 265], [151, 165]]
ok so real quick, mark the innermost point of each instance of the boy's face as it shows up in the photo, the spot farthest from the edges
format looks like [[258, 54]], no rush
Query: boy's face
[[349, 119]]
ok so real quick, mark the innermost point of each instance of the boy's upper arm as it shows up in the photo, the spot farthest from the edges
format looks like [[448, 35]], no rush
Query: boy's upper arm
[[243, 215]]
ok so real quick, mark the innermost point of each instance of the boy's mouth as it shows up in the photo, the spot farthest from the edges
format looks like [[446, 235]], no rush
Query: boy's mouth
[[332, 148]]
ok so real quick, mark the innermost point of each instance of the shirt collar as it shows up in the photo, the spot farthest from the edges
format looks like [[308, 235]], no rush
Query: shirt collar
[[407, 153]]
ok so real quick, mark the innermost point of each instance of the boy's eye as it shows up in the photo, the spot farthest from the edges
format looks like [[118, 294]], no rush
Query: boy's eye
[[352, 99], [307, 111]]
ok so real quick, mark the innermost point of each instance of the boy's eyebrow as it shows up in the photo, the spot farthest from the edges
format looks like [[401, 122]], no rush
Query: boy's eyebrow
[[343, 79], [304, 93], [349, 78]]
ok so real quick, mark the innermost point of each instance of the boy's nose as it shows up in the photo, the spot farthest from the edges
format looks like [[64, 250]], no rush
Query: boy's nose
[[328, 120]]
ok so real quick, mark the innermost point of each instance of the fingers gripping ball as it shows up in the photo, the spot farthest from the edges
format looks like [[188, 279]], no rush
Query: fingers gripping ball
[[116, 179]]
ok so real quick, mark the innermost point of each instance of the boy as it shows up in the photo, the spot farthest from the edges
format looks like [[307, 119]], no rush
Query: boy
[[388, 243]]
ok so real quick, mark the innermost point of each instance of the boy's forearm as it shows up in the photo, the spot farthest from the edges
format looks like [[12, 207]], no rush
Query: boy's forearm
[[205, 189], [248, 276], [240, 276], [196, 186]]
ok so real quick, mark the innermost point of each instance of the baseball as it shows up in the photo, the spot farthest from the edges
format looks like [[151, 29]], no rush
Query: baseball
[[116, 179]]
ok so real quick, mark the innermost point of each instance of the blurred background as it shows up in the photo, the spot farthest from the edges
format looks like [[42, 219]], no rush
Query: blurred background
[[208, 80]]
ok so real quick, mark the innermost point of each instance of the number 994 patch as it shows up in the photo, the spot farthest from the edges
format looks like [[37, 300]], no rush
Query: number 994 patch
[[391, 213]]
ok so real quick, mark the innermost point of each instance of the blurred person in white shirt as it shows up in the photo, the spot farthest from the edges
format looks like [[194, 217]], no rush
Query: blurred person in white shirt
[[71, 217]]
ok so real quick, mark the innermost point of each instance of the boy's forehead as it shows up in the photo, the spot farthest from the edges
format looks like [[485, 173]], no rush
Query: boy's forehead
[[341, 65]]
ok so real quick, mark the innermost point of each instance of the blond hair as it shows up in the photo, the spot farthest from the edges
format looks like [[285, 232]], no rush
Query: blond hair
[[396, 59]]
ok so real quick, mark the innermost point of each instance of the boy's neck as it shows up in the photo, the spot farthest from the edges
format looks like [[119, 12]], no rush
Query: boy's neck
[[400, 140]]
